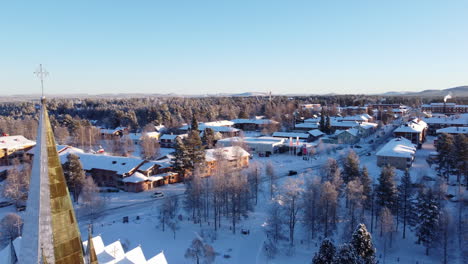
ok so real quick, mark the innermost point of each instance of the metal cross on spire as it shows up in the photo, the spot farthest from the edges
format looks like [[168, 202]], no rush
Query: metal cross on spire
[[41, 73]]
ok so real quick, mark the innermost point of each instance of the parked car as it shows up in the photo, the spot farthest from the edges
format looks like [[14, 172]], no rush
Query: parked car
[[292, 172], [357, 146], [21, 208], [157, 195]]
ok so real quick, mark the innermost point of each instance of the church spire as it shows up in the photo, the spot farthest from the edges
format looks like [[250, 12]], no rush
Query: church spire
[[91, 257], [50, 231]]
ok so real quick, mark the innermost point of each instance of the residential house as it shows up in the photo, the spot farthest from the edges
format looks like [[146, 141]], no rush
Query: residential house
[[231, 158], [113, 133], [440, 121], [254, 124], [349, 136], [414, 130], [14, 147], [260, 145], [169, 140], [303, 136], [315, 134], [453, 131], [398, 152]]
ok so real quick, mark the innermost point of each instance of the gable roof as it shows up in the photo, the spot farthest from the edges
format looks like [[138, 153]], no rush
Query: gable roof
[[89, 161], [15, 142], [228, 153], [398, 147]]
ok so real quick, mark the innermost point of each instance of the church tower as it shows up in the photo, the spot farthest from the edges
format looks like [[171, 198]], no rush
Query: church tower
[[50, 233]]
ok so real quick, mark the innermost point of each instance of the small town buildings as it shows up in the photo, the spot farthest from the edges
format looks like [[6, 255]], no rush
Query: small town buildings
[[440, 121], [260, 145], [231, 158], [129, 174], [169, 140], [253, 124], [225, 131], [14, 147], [113, 133], [315, 134], [306, 126], [366, 129], [349, 136], [453, 130], [303, 136], [311, 107], [414, 130], [398, 152], [445, 108]]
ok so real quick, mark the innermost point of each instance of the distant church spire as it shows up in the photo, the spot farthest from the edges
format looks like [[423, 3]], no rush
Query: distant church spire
[[50, 233]]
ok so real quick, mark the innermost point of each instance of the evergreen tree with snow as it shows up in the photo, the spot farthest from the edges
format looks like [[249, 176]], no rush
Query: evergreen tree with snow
[[181, 157], [386, 191], [322, 121], [367, 187], [74, 175], [361, 241], [194, 124], [328, 128], [461, 157], [347, 255], [428, 210], [405, 195], [326, 253], [445, 148], [351, 167], [208, 137]]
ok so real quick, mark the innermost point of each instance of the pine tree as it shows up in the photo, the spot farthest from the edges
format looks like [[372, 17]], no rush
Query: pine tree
[[367, 187], [428, 211], [361, 241], [405, 193], [461, 157], [196, 152], [209, 138], [351, 167], [445, 148], [181, 157], [386, 192], [194, 125], [328, 128], [74, 175], [347, 255], [326, 253], [322, 121]]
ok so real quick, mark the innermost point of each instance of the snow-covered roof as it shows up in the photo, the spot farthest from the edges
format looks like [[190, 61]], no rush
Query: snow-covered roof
[[114, 253], [367, 125], [352, 131], [135, 178], [452, 120], [172, 137], [398, 147], [219, 123], [224, 129], [307, 125], [152, 134], [15, 142], [257, 140], [453, 130], [89, 161], [158, 259], [228, 153], [254, 121], [112, 131], [316, 132], [413, 126], [291, 134]]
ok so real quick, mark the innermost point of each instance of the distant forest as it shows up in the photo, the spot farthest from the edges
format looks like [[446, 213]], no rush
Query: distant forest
[[136, 113]]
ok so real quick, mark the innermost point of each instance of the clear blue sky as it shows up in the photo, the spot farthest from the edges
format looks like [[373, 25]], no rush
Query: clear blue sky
[[226, 46]]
